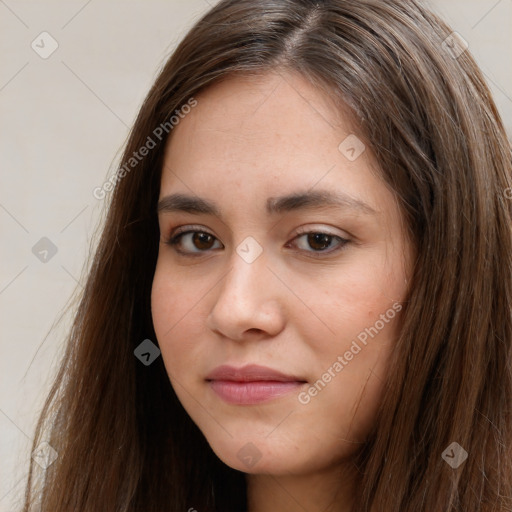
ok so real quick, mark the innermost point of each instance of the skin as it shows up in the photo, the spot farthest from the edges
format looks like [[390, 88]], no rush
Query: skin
[[245, 141]]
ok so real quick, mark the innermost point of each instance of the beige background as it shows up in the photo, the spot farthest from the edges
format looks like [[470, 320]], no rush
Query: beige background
[[63, 121]]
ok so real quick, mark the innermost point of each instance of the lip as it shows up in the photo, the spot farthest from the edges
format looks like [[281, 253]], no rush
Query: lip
[[251, 384], [250, 373]]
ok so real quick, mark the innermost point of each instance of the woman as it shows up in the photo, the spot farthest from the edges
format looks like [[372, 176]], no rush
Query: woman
[[346, 155]]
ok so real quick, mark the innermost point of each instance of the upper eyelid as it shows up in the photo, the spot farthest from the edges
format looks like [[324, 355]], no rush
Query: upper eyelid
[[300, 231]]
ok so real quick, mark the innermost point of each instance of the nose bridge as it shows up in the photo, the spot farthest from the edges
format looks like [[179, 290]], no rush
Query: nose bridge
[[241, 282], [247, 298]]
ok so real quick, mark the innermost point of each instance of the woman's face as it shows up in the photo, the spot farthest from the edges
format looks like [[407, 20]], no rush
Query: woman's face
[[292, 258]]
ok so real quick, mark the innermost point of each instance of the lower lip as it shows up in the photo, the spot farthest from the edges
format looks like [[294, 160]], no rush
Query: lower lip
[[247, 393]]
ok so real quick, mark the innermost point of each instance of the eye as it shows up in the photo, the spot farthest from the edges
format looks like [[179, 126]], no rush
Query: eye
[[319, 241], [190, 240], [194, 242]]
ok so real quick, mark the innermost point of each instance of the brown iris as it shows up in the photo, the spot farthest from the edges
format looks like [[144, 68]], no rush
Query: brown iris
[[202, 240], [319, 241]]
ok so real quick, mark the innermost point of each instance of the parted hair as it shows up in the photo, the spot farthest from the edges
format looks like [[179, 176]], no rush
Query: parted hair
[[124, 441]]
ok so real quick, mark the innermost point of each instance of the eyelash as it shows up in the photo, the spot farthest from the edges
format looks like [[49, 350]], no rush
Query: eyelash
[[175, 237]]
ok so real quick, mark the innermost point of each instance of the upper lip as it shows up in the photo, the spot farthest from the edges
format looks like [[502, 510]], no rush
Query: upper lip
[[250, 373]]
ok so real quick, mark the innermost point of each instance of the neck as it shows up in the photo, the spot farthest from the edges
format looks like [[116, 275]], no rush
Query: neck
[[329, 491]]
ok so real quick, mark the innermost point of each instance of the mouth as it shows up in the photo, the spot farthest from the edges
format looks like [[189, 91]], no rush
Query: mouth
[[251, 384]]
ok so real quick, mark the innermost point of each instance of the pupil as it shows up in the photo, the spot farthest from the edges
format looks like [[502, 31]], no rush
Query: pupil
[[202, 238], [319, 238]]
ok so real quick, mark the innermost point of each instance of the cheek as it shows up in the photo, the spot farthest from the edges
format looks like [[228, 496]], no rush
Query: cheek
[[172, 310], [351, 306], [350, 354], [163, 304], [173, 299], [345, 393]]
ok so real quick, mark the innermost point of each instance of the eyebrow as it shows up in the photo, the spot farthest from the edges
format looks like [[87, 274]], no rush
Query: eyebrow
[[316, 200]]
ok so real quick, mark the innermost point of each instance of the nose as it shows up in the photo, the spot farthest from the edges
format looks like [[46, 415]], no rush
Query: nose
[[248, 302]]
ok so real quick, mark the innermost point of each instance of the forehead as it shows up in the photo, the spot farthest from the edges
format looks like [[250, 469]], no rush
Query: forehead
[[274, 121], [275, 102], [266, 137]]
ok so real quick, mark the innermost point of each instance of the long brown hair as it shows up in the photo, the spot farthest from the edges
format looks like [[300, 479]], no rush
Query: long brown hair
[[124, 441]]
